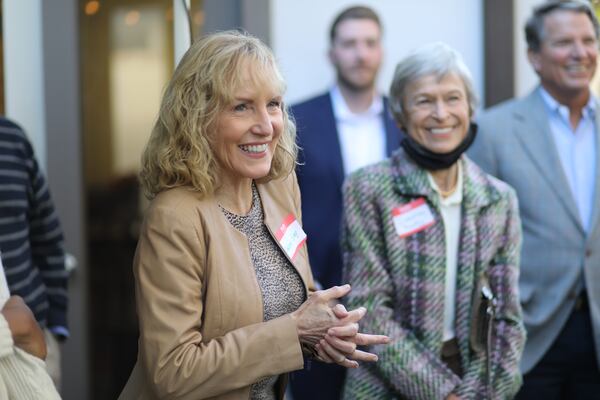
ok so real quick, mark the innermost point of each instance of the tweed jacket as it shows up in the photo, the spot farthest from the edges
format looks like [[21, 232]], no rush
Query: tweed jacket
[[200, 310], [401, 281]]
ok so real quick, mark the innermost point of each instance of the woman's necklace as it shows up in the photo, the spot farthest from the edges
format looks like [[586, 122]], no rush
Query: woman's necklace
[[449, 192]]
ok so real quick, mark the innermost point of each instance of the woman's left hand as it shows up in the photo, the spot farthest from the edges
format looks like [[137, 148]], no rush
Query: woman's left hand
[[339, 345]]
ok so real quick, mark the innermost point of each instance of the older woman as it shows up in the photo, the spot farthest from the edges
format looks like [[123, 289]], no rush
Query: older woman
[[221, 269], [431, 248]]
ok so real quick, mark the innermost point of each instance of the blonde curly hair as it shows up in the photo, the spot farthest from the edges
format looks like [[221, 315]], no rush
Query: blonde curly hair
[[178, 152]]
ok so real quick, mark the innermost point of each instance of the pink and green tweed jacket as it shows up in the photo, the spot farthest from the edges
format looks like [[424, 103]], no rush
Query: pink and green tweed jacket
[[401, 281]]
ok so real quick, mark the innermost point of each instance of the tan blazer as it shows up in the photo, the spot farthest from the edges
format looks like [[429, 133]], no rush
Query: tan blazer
[[200, 310]]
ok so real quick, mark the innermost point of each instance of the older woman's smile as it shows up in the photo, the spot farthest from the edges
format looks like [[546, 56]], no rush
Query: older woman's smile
[[441, 131]]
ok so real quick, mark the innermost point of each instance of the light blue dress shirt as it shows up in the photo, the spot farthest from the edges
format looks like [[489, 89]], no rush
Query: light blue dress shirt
[[576, 150]]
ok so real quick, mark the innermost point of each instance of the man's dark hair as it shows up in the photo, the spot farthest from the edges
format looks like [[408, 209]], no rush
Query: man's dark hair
[[534, 28], [356, 12]]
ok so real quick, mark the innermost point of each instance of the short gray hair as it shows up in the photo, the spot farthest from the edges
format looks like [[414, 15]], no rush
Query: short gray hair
[[534, 28], [436, 59]]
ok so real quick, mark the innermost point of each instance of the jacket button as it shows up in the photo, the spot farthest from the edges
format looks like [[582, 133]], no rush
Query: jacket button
[[572, 294], [588, 253]]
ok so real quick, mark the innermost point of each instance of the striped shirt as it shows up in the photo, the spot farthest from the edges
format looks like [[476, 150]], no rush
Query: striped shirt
[[31, 239]]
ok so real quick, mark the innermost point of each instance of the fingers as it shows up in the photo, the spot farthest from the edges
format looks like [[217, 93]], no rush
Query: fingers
[[340, 311], [344, 346], [348, 349], [344, 330], [336, 356], [364, 356], [365, 339], [354, 315], [322, 355], [334, 292]]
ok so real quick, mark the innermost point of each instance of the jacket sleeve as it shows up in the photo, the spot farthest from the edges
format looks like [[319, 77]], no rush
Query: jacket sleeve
[[46, 238], [508, 333], [170, 272], [409, 368]]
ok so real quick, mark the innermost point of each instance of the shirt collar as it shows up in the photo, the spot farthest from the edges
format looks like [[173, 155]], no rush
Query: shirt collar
[[554, 106], [343, 113]]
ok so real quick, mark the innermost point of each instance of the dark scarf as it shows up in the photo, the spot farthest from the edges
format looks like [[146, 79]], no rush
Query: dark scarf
[[434, 161]]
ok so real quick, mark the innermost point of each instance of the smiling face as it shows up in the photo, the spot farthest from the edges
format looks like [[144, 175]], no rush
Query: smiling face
[[248, 130], [356, 53], [436, 112], [566, 60]]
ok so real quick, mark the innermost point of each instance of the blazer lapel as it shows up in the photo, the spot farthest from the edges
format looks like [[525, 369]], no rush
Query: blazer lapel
[[477, 194], [540, 146], [331, 143], [275, 210], [411, 180]]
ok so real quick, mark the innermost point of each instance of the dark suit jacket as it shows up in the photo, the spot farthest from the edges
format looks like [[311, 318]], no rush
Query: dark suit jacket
[[320, 178]]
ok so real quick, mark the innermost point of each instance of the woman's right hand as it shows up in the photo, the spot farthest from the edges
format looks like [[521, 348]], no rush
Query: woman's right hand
[[321, 317], [26, 332]]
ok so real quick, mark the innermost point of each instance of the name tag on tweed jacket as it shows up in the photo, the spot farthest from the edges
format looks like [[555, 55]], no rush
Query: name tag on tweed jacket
[[412, 217]]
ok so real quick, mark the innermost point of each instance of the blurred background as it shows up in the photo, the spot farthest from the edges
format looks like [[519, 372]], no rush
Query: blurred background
[[85, 78]]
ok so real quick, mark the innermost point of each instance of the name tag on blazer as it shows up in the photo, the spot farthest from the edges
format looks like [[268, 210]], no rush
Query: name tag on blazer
[[412, 217], [290, 236]]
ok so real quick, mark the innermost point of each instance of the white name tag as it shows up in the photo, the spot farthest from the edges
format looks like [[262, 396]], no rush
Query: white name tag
[[290, 236], [412, 217]]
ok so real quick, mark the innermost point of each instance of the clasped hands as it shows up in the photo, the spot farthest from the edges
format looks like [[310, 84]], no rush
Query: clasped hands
[[330, 332]]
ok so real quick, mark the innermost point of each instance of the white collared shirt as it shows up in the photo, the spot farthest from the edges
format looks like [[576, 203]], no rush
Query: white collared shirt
[[362, 136], [576, 150], [450, 208]]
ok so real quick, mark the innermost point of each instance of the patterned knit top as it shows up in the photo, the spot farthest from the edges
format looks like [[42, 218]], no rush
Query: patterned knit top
[[280, 284]]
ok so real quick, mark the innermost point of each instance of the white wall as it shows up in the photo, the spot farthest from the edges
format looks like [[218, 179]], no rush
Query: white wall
[[525, 77], [24, 70], [300, 29]]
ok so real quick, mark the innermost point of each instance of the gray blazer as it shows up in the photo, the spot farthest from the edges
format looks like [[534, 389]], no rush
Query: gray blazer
[[515, 145]]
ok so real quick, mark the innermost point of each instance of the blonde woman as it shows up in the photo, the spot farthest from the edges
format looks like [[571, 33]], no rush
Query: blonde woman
[[223, 286]]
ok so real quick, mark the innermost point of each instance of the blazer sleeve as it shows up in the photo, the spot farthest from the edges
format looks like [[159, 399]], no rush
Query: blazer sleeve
[[170, 273], [508, 334], [409, 368]]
